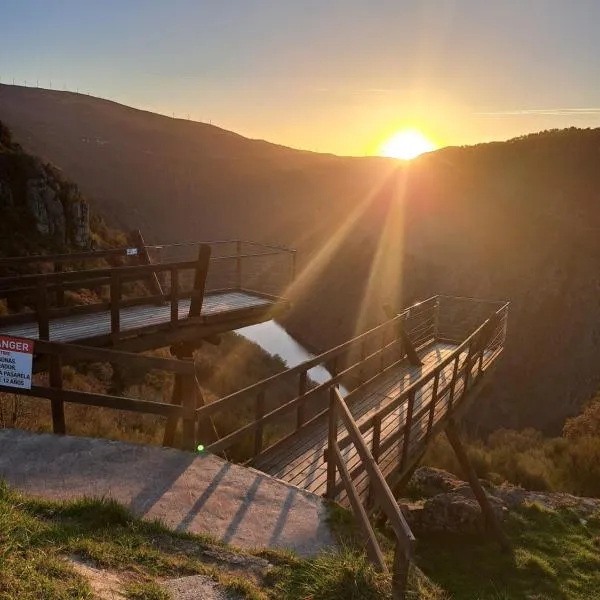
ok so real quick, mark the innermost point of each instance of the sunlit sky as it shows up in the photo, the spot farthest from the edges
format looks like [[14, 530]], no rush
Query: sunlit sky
[[329, 75]]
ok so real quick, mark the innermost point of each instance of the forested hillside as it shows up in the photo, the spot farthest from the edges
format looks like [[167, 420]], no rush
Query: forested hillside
[[513, 220]]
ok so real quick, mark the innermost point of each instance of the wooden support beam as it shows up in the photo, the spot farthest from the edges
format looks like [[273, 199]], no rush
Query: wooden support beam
[[200, 280], [407, 345], [145, 260], [469, 472]]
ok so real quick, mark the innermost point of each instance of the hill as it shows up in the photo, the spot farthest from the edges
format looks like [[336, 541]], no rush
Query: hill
[[513, 220]]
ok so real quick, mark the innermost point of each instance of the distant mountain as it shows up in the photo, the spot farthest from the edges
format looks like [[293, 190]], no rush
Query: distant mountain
[[516, 220]]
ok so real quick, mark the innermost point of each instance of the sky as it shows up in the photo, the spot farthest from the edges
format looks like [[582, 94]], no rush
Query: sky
[[328, 75]]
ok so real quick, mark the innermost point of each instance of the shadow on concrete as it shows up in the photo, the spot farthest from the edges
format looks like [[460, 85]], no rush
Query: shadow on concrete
[[283, 517], [206, 494], [242, 510], [160, 482]]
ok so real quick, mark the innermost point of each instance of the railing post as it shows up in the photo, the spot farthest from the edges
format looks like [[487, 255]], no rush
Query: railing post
[[453, 382], [301, 411], [115, 301], [174, 297], [375, 450], [436, 319], [60, 292], [188, 393], [238, 263], [42, 309], [331, 444], [200, 276], [56, 404], [382, 357], [259, 413], [363, 355], [407, 429], [436, 384], [400, 573]]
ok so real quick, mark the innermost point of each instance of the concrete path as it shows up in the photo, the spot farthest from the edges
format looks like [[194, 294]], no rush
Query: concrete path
[[199, 494]]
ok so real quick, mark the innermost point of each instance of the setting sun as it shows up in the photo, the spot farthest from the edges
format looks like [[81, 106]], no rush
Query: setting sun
[[406, 144]]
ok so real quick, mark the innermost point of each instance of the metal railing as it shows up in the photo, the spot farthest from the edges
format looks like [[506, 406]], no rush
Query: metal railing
[[167, 273]]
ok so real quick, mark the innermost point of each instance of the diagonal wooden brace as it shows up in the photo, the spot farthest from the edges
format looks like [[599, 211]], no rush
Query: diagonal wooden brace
[[411, 353], [469, 472]]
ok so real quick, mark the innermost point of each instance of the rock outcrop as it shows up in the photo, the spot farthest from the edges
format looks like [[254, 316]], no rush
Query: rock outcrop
[[37, 202], [447, 504]]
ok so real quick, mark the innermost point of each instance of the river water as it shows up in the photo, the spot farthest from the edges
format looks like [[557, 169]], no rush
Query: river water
[[275, 340]]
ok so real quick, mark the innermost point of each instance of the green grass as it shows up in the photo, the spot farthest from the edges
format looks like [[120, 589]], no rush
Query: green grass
[[556, 556]]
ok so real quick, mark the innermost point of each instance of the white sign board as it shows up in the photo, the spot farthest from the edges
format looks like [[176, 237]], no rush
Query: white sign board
[[16, 362], [132, 251]]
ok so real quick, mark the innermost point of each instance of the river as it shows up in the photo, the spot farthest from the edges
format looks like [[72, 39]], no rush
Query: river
[[275, 340]]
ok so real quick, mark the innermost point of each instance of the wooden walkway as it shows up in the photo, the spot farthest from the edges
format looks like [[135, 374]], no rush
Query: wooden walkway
[[301, 462], [221, 306], [407, 379]]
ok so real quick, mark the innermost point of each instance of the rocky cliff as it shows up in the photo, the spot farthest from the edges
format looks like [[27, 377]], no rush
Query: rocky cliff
[[40, 208]]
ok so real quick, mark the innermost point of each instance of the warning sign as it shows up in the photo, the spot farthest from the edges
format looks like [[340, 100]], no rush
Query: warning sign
[[16, 362]]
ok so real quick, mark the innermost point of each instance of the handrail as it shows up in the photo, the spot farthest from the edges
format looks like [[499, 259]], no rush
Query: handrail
[[384, 496], [324, 357]]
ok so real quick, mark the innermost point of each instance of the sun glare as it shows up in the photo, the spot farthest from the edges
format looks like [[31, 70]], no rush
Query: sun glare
[[406, 144]]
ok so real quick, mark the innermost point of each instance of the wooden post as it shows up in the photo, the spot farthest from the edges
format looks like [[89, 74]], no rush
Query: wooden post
[[188, 396], [42, 309], [400, 574], [407, 429], [145, 260], [331, 444], [469, 472], [56, 404], [407, 345], [115, 301], [453, 382], [375, 450], [382, 356], [436, 319], [174, 297], [60, 292], [238, 263], [301, 411], [200, 280], [171, 425], [363, 355], [259, 413], [434, 392]]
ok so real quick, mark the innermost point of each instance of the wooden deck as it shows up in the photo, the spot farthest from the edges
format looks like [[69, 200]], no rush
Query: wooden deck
[[301, 462], [217, 306]]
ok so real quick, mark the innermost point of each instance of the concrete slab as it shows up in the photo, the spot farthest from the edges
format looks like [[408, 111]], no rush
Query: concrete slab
[[199, 494]]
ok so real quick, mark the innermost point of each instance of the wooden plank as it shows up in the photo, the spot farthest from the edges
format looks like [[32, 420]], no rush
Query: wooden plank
[[103, 400], [115, 357]]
